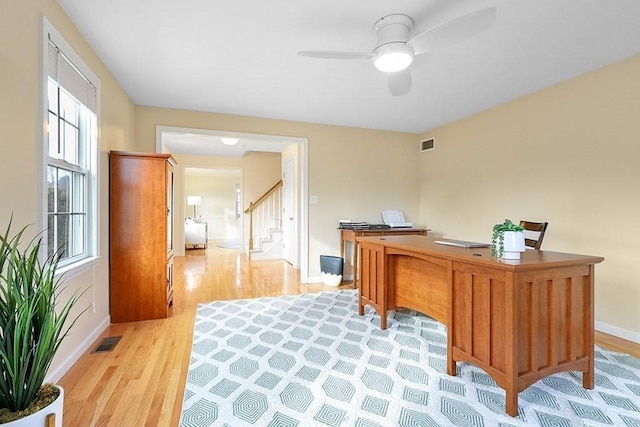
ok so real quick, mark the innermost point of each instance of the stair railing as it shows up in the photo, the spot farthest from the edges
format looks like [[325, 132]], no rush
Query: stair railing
[[265, 213]]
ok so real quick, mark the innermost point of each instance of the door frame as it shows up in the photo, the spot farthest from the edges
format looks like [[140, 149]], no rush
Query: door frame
[[289, 199]]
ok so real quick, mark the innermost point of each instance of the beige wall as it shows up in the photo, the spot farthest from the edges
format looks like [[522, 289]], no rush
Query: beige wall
[[569, 155], [21, 128], [356, 173], [218, 202]]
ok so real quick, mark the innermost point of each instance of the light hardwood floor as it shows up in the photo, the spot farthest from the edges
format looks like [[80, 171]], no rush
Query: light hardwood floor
[[141, 382]]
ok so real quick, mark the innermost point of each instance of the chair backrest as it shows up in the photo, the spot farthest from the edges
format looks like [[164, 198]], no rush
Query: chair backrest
[[538, 228]]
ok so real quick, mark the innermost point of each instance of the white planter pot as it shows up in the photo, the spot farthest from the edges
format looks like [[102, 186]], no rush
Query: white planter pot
[[513, 244], [39, 419]]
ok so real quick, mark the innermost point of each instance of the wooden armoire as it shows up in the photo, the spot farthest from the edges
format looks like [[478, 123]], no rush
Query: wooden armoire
[[141, 205]]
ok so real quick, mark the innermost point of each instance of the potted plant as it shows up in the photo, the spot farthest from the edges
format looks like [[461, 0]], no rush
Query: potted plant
[[508, 240], [32, 327]]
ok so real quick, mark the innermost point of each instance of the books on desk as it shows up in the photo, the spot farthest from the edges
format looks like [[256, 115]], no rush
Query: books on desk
[[462, 243], [353, 225], [379, 227]]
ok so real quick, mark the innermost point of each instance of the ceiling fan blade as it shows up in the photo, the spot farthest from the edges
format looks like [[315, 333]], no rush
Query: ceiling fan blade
[[400, 82], [453, 31], [328, 54]]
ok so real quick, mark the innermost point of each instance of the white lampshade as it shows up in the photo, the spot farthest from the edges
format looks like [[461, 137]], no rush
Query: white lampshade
[[393, 57], [229, 141], [194, 200]]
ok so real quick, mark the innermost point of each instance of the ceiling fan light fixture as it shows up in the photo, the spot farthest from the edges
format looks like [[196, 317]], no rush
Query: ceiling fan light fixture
[[393, 57], [229, 141]]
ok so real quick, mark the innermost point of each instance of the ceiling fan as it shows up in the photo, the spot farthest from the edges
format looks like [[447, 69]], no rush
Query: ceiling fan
[[396, 49]]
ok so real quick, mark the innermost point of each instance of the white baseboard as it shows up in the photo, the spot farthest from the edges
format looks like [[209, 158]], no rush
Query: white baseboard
[[318, 279], [54, 375], [618, 332]]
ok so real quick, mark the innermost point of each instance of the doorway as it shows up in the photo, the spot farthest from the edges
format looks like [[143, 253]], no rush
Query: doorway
[[217, 191], [203, 142]]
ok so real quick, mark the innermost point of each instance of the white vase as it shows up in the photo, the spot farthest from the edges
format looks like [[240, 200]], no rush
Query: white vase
[[513, 244], [39, 419]]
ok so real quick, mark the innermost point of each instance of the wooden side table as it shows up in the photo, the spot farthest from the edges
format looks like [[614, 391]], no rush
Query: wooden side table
[[347, 235]]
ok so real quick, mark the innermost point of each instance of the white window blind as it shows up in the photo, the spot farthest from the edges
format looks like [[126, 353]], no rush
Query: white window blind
[[62, 71]]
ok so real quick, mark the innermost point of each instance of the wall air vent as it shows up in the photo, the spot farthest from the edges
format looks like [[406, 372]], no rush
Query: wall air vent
[[427, 144]]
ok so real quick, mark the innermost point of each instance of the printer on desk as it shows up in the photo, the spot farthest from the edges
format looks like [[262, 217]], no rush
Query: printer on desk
[[395, 219]]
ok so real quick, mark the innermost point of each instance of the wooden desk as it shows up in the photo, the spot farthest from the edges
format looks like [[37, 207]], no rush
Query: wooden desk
[[518, 320], [351, 236]]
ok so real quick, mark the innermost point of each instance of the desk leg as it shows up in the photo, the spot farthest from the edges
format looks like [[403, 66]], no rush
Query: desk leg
[[511, 401], [588, 380], [452, 367], [383, 321], [354, 263], [588, 375], [343, 243]]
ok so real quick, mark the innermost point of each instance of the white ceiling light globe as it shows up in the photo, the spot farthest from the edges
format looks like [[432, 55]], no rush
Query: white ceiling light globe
[[229, 141], [393, 57]]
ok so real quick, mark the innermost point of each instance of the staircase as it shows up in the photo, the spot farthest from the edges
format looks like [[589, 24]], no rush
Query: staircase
[[265, 225]]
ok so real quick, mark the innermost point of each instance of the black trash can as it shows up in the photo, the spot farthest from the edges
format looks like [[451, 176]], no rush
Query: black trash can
[[331, 269]]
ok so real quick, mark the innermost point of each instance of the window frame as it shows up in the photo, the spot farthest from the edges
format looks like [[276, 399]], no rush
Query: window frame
[[75, 264]]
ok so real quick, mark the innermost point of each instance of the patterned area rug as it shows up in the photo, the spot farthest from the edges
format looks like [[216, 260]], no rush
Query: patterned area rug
[[311, 360]]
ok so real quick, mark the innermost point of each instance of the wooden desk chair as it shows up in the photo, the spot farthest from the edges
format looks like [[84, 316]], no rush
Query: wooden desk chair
[[537, 227]]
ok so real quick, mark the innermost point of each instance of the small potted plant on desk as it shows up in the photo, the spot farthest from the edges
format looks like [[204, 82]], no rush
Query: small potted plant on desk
[[32, 327], [508, 240]]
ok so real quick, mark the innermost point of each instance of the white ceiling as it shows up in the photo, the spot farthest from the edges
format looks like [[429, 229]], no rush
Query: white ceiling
[[240, 57], [213, 172]]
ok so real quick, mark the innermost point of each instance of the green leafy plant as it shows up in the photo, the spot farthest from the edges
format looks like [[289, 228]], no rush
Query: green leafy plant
[[32, 318], [497, 239]]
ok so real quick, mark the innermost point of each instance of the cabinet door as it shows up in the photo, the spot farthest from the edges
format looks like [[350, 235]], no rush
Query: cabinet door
[[170, 208], [141, 234], [170, 284]]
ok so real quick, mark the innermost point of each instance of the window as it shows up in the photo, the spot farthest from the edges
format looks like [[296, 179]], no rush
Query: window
[[70, 153]]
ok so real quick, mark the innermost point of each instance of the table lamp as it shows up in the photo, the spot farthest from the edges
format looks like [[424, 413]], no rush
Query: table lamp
[[194, 201]]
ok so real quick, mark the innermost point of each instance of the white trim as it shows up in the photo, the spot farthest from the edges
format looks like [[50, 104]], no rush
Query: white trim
[[618, 332], [314, 280], [62, 368], [80, 267], [93, 239], [304, 211], [285, 163]]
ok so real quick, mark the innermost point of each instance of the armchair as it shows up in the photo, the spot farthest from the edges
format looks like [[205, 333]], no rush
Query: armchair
[[195, 234]]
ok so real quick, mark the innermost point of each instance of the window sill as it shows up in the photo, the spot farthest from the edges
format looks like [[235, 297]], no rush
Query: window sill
[[78, 268]]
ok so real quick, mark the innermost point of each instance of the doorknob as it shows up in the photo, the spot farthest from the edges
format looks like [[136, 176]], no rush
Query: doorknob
[[291, 219]]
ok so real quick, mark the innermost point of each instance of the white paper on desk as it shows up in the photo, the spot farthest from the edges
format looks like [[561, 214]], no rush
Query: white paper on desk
[[392, 216]]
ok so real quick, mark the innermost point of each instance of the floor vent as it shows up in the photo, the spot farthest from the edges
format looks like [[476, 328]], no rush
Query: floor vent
[[107, 344]]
